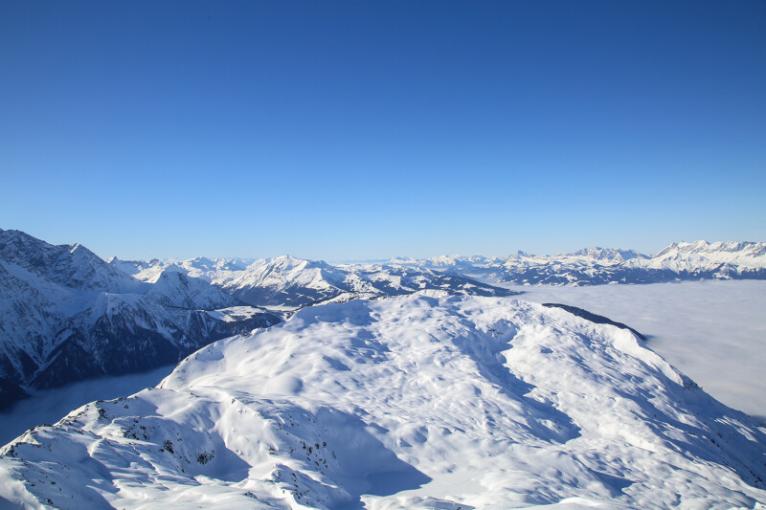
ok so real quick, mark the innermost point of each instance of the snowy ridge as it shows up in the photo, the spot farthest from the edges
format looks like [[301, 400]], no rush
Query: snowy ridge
[[421, 401], [702, 255], [607, 255], [175, 287], [72, 266], [288, 283], [593, 266], [199, 267]]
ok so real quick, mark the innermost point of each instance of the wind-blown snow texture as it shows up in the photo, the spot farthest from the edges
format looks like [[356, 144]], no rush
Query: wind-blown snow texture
[[422, 401]]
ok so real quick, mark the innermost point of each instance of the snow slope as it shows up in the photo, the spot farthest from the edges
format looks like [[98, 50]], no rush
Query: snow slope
[[422, 401], [715, 331]]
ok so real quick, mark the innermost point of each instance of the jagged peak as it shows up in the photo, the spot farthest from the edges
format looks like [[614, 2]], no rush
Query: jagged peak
[[702, 245], [288, 263], [601, 253]]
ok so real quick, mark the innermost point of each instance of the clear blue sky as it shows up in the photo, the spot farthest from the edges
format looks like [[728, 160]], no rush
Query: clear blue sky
[[366, 130]]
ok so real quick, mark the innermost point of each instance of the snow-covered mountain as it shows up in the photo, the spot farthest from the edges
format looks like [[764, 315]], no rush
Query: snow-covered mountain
[[421, 401], [290, 282], [606, 255], [702, 256], [173, 286], [72, 266], [199, 267], [287, 283], [65, 314], [594, 266]]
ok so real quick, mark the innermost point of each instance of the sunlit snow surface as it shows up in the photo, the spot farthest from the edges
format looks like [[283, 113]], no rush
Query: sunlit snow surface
[[713, 331], [424, 401]]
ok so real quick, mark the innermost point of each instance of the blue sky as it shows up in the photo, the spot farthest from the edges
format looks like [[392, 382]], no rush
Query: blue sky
[[365, 130]]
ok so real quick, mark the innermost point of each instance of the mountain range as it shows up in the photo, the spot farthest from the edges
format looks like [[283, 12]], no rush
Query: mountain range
[[681, 261], [66, 314]]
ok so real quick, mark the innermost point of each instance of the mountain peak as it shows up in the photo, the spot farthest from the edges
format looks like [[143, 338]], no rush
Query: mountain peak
[[607, 254], [686, 255], [69, 265]]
